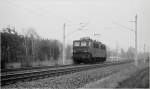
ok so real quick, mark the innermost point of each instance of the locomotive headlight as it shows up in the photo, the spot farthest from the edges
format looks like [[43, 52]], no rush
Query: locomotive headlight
[[74, 51], [85, 51]]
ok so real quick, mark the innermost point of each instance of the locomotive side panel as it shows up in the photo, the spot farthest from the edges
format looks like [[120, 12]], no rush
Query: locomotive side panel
[[99, 50]]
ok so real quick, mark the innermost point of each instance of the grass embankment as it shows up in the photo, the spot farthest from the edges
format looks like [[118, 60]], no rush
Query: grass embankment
[[140, 79]]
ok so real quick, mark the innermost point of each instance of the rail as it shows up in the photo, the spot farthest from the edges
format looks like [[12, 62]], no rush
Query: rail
[[43, 73]]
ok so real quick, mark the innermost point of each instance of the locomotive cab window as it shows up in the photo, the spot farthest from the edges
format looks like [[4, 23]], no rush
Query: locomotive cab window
[[89, 43], [96, 45], [103, 47], [83, 43], [76, 43]]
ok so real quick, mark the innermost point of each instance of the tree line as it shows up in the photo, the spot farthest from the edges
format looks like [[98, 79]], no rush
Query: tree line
[[27, 48], [129, 54]]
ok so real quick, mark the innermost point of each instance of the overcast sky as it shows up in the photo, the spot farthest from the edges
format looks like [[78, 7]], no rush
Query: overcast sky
[[110, 18]]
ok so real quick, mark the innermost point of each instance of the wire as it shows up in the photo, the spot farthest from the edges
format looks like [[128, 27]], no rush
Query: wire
[[35, 11], [122, 26]]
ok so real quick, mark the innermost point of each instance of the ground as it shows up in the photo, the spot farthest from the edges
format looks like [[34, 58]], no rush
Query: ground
[[131, 77], [106, 77]]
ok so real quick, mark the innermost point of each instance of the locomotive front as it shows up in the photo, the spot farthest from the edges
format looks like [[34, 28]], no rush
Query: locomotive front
[[81, 51]]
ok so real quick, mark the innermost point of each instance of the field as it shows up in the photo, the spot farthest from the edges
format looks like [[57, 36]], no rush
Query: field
[[140, 79], [129, 77]]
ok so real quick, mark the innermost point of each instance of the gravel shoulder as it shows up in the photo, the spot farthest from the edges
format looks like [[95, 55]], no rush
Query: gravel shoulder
[[75, 80]]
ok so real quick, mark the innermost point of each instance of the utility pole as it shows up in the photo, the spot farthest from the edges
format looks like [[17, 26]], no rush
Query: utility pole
[[135, 31], [144, 54], [136, 50], [64, 52], [117, 56], [0, 49]]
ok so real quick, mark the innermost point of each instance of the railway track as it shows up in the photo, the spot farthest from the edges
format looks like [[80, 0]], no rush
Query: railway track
[[31, 68], [33, 74]]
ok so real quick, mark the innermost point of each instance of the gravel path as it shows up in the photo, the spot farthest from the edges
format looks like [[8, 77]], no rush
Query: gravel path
[[71, 81]]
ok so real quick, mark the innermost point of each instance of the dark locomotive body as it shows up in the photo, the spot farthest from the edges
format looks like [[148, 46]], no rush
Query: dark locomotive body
[[87, 50]]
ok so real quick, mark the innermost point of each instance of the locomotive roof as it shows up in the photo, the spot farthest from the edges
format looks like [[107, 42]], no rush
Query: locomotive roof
[[89, 39]]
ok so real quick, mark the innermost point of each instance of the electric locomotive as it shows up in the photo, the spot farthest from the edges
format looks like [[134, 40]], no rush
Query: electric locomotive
[[87, 50]]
